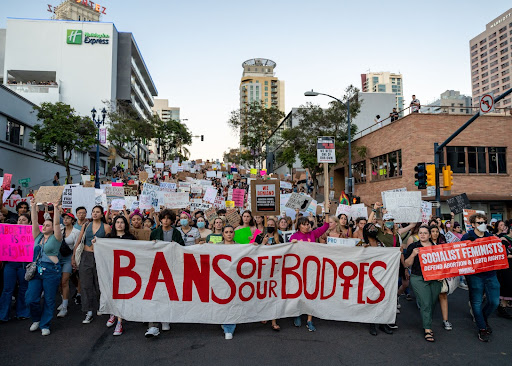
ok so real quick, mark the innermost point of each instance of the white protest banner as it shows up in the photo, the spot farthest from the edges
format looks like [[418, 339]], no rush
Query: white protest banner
[[298, 201], [167, 187], [85, 197], [67, 196], [405, 207], [285, 185], [426, 211], [391, 190], [348, 242], [210, 194], [217, 284], [175, 200], [117, 204]]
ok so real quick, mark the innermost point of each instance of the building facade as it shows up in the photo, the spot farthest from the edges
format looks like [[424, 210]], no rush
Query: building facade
[[80, 10], [384, 82], [84, 64], [451, 102], [480, 158], [166, 113], [491, 57]]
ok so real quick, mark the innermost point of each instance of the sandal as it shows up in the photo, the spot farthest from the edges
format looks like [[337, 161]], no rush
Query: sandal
[[276, 327], [429, 336]]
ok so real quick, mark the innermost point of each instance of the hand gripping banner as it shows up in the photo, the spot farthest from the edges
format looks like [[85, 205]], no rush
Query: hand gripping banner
[[151, 281]]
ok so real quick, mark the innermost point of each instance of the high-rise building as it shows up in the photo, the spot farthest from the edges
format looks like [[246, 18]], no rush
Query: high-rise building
[[451, 102], [384, 82], [86, 11], [165, 112], [491, 59]]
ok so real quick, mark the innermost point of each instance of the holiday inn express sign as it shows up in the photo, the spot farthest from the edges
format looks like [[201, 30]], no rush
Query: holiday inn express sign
[[76, 36]]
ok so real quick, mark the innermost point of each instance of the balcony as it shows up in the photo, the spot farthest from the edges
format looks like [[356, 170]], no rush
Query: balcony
[[37, 94], [141, 80], [140, 95]]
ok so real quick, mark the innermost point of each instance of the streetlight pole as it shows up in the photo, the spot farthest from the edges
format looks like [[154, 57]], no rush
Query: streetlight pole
[[314, 94], [98, 123]]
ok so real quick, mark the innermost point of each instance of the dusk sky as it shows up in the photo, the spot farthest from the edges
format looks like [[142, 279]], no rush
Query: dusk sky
[[194, 49]]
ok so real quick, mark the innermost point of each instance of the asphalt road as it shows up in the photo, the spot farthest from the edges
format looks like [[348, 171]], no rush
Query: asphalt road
[[334, 343]]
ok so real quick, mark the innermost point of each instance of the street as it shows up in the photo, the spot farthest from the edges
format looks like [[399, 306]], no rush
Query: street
[[334, 343]]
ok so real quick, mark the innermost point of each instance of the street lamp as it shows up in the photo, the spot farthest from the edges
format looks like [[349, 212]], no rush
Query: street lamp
[[98, 122], [314, 94]]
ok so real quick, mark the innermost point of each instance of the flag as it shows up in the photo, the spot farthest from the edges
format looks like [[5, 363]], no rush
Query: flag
[[344, 199]]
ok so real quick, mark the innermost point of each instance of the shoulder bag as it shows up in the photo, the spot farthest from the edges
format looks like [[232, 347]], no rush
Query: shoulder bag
[[31, 268], [80, 247], [65, 250]]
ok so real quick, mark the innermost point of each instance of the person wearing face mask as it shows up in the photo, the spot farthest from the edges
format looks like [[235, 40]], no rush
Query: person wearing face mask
[[389, 235], [480, 283], [270, 236], [203, 231], [189, 233]]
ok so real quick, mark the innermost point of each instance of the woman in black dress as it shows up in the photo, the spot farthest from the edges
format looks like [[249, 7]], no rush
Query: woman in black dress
[[505, 275]]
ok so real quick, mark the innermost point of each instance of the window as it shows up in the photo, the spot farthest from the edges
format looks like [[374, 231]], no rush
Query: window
[[14, 133], [266, 82], [483, 41], [266, 94], [456, 158], [493, 56], [382, 88], [387, 166], [375, 79], [359, 172], [503, 29], [493, 43], [476, 160], [497, 160]]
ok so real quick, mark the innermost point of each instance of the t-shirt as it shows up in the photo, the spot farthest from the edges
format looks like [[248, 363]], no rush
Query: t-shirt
[[51, 247], [414, 106], [168, 234], [214, 238], [416, 266], [387, 239], [71, 238], [190, 236]]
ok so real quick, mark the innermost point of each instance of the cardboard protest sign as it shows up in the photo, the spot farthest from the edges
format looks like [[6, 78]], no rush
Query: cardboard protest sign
[[131, 190], [141, 234], [265, 197], [348, 242], [233, 217], [298, 201], [211, 214], [16, 243], [405, 207], [462, 258], [49, 194], [143, 176], [458, 203], [243, 236], [84, 197], [89, 184]]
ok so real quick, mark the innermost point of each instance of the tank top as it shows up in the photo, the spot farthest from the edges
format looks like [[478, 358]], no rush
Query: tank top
[[89, 235]]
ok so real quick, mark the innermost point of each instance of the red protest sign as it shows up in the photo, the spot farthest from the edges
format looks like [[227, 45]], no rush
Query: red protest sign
[[6, 185], [462, 258]]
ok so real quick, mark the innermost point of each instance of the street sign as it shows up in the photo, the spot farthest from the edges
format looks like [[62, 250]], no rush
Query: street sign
[[24, 180], [436, 204], [325, 151], [487, 103], [431, 191]]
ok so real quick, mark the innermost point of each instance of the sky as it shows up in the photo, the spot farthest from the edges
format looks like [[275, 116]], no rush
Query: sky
[[194, 50]]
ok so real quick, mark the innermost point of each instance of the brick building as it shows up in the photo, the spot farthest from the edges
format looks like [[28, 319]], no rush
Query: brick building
[[480, 158]]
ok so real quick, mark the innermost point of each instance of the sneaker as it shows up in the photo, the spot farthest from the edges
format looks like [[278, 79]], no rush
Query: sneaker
[[373, 330], [483, 335], [447, 325], [228, 335], [99, 313], [45, 332], [297, 322], [34, 326], [62, 313], [111, 321], [408, 297], [167, 326], [310, 327], [385, 328], [119, 329], [393, 326], [88, 319], [78, 299], [152, 332], [488, 328], [60, 307], [463, 286], [398, 303]]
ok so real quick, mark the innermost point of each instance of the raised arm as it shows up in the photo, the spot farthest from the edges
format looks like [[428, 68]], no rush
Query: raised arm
[[34, 218], [407, 228], [374, 211], [56, 222]]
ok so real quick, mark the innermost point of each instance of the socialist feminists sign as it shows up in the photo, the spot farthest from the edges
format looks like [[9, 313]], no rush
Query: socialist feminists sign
[[223, 284]]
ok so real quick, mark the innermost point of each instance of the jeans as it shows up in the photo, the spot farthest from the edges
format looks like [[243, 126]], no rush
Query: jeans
[[229, 328], [14, 272], [478, 284], [48, 282]]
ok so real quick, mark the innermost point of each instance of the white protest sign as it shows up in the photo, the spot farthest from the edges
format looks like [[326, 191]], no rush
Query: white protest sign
[[145, 202], [196, 189], [117, 204], [167, 187], [174, 168], [159, 165], [312, 207], [405, 207], [113, 193], [220, 202], [175, 200], [348, 242], [210, 194], [391, 190], [85, 197], [298, 201], [285, 185], [359, 210], [67, 196], [211, 174], [129, 202], [426, 211]]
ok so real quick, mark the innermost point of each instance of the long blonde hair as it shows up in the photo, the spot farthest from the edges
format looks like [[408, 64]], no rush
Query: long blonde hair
[[339, 228]]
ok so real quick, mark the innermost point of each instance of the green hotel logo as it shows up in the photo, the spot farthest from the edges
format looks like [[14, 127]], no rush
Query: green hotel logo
[[74, 36]]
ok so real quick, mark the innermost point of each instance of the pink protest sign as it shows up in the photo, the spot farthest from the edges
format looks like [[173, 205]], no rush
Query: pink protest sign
[[16, 243], [239, 197], [6, 185], [117, 184], [263, 172]]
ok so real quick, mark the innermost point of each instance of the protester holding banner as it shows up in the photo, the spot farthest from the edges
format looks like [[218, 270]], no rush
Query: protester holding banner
[[505, 275], [427, 292], [189, 233], [48, 274], [228, 234], [203, 231], [246, 220], [304, 233], [216, 235], [14, 273], [285, 224], [482, 283], [88, 275], [259, 223], [70, 235], [167, 232], [358, 232], [270, 235], [120, 230]]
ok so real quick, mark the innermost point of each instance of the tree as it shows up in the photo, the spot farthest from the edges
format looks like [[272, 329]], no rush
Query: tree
[[62, 131], [172, 137], [301, 140], [255, 123]]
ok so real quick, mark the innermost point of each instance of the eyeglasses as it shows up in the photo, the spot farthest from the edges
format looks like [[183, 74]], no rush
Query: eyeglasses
[[480, 222]]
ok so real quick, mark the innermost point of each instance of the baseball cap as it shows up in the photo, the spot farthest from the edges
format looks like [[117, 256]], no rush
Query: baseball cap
[[494, 220], [70, 215], [387, 216]]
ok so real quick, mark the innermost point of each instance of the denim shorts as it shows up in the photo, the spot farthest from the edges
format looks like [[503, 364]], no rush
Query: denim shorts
[[65, 262]]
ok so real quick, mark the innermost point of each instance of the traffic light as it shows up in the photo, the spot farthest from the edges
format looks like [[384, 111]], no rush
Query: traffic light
[[447, 178], [356, 200], [421, 176], [431, 175], [202, 137]]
